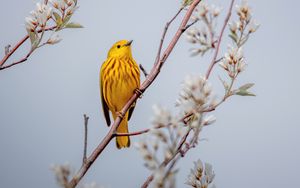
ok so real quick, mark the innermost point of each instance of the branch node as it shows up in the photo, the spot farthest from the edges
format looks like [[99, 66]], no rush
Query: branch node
[[6, 49]]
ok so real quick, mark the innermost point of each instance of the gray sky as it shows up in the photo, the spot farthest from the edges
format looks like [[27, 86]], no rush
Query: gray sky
[[252, 144]]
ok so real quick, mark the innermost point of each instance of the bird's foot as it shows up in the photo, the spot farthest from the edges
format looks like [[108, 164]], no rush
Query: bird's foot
[[138, 92], [120, 115]]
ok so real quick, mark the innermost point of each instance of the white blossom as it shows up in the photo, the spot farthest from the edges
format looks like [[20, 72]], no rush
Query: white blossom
[[244, 11], [158, 177], [91, 185], [59, 4], [201, 176], [147, 155], [42, 14], [161, 116], [241, 67], [205, 35], [62, 173], [67, 6], [233, 26], [195, 94], [215, 10], [54, 39], [209, 120], [233, 62], [30, 23], [38, 17], [253, 26], [202, 9]]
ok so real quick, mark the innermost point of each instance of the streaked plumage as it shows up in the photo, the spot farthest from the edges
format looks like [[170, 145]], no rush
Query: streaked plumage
[[119, 77]]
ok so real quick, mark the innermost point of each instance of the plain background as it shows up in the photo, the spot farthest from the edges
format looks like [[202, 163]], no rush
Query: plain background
[[254, 142]]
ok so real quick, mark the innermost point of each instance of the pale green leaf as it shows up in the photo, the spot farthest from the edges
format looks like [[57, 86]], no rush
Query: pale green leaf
[[226, 86], [244, 93], [73, 25], [244, 40], [246, 86], [58, 19], [32, 36], [35, 43], [66, 19], [187, 2], [233, 36]]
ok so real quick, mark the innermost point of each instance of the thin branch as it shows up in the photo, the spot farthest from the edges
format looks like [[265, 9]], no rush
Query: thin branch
[[135, 133], [151, 77], [183, 119], [189, 25], [143, 70], [86, 121], [164, 34], [181, 151], [18, 62], [218, 60], [20, 43], [213, 62]]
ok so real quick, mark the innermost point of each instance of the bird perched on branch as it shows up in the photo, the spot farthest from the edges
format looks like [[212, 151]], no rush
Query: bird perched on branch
[[119, 78]]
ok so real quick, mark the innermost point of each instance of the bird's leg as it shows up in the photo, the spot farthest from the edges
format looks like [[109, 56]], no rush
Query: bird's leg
[[138, 92]]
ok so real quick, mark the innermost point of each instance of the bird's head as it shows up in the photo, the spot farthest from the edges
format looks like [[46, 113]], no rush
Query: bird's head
[[121, 48]]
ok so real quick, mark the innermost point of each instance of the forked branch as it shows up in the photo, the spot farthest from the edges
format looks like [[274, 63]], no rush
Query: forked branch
[[181, 151], [13, 50], [149, 80]]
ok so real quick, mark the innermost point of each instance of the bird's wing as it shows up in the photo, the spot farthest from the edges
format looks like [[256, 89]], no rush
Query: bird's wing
[[130, 111], [104, 106]]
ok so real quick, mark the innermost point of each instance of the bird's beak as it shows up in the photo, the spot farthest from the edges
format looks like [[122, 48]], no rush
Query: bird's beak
[[128, 43]]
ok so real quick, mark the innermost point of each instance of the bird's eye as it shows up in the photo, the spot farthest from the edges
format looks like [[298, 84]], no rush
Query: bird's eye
[[119, 46]]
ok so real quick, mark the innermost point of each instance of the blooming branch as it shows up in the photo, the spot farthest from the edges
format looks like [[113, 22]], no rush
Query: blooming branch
[[213, 62], [196, 100], [150, 78], [59, 12]]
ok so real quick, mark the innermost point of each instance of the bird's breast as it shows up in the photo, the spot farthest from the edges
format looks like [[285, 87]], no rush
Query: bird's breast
[[120, 77]]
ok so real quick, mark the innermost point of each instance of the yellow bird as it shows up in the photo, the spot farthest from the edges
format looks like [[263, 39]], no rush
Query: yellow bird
[[119, 78]]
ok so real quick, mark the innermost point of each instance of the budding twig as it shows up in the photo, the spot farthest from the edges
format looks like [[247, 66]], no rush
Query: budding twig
[[180, 150], [20, 43], [164, 34], [86, 120], [168, 160], [189, 25], [6, 49], [213, 62]]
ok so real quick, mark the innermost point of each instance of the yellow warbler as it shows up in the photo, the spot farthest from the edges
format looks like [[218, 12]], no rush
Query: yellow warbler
[[119, 78]]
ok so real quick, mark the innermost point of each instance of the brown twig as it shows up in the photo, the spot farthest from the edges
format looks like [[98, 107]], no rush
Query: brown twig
[[164, 34], [135, 133], [213, 62], [86, 121], [183, 119], [181, 150], [20, 43], [189, 25], [151, 77], [143, 70]]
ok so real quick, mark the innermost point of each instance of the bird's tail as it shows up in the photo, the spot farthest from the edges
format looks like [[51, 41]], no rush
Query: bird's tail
[[123, 141]]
